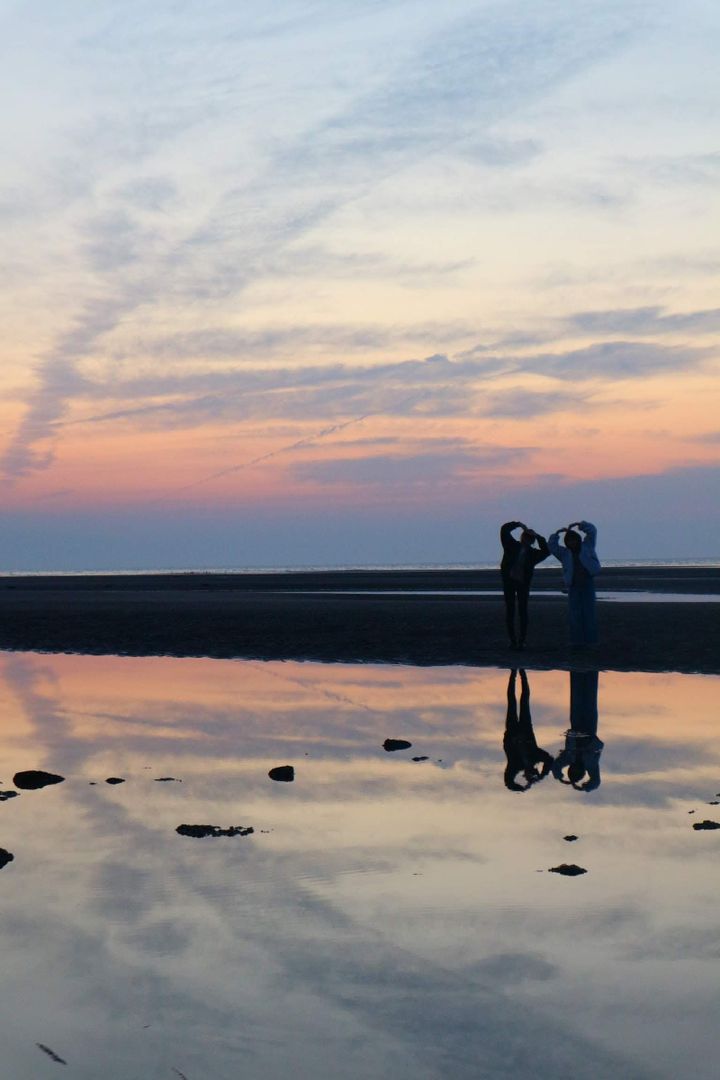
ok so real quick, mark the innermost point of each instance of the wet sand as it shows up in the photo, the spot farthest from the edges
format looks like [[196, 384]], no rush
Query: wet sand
[[300, 616]]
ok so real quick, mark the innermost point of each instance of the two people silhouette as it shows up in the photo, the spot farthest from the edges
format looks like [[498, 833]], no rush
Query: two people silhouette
[[580, 564], [578, 763]]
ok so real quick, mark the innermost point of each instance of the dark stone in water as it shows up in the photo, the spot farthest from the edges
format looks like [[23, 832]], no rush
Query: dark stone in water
[[114, 780], [167, 779], [51, 1054], [5, 857], [200, 831], [285, 773], [421, 759], [706, 824], [714, 803], [567, 869], [396, 744], [32, 779], [8, 795], [570, 838]]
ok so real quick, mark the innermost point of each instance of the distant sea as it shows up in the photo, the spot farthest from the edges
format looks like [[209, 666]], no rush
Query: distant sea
[[399, 567]]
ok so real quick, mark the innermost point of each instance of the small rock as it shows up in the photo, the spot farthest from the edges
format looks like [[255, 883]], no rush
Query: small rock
[[706, 824], [691, 811], [8, 795], [567, 869], [570, 838], [283, 773], [421, 758], [200, 831], [5, 857], [167, 780], [51, 1054], [32, 779], [114, 780], [396, 744], [714, 803]]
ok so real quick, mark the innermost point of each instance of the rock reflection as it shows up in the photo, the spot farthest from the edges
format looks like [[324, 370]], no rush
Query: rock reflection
[[521, 749], [581, 754]]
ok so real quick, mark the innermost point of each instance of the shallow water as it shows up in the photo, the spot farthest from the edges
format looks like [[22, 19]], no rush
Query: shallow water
[[387, 917], [635, 596]]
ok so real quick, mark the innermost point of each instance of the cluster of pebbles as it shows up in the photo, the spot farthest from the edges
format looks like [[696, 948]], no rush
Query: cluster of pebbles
[[35, 779]]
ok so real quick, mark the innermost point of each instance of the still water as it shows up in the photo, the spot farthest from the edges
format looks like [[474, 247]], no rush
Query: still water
[[387, 917]]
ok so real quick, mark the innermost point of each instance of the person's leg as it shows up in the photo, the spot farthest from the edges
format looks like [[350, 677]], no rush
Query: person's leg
[[523, 593], [509, 594], [575, 616], [524, 698], [511, 717], [589, 616], [589, 702], [577, 687]]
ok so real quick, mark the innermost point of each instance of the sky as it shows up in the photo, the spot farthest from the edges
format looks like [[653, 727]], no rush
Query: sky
[[333, 282]]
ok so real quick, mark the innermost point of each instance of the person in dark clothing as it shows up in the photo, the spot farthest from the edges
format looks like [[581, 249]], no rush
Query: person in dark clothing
[[581, 754], [521, 749], [520, 557]]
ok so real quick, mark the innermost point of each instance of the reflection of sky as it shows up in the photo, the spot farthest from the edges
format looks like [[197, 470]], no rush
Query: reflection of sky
[[391, 919]]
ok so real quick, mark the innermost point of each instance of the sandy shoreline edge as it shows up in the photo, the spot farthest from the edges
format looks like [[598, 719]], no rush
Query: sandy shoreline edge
[[301, 616]]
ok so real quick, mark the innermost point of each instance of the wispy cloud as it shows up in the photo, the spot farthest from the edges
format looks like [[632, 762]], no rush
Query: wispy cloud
[[448, 89], [432, 467], [434, 386]]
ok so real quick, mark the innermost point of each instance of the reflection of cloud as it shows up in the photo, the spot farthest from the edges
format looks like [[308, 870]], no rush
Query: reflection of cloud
[[509, 968], [251, 953]]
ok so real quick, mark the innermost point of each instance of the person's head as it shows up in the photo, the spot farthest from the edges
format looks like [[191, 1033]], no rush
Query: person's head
[[572, 540], [527, 537], [509, 776]]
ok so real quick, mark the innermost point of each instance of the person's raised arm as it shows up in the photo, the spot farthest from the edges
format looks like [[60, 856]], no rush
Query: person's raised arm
[[590, 531], [506, 531], [553, 542], [544, 550]]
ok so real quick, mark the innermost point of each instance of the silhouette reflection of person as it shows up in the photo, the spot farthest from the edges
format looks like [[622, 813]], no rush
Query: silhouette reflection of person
[[581, 755], [521, 750]]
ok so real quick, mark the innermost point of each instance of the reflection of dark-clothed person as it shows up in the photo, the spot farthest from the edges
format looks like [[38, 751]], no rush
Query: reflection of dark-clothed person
[[521, 749], [583, 748], [518, 563]]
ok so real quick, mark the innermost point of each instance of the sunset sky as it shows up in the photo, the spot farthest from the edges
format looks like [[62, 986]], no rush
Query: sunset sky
[[349, 281]]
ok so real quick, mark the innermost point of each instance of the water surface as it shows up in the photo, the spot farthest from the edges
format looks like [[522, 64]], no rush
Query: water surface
[[387, 917]]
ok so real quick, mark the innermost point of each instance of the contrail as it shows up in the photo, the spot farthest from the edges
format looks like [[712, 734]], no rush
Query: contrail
[[306, 441]]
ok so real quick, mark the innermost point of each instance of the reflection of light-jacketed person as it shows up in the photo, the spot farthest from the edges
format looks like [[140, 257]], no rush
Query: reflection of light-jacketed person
[[520, 557], [583, 748], [580, 564], [521, 749]]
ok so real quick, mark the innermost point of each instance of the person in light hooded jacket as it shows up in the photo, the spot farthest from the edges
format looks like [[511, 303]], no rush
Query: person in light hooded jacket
[[580, 565]]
